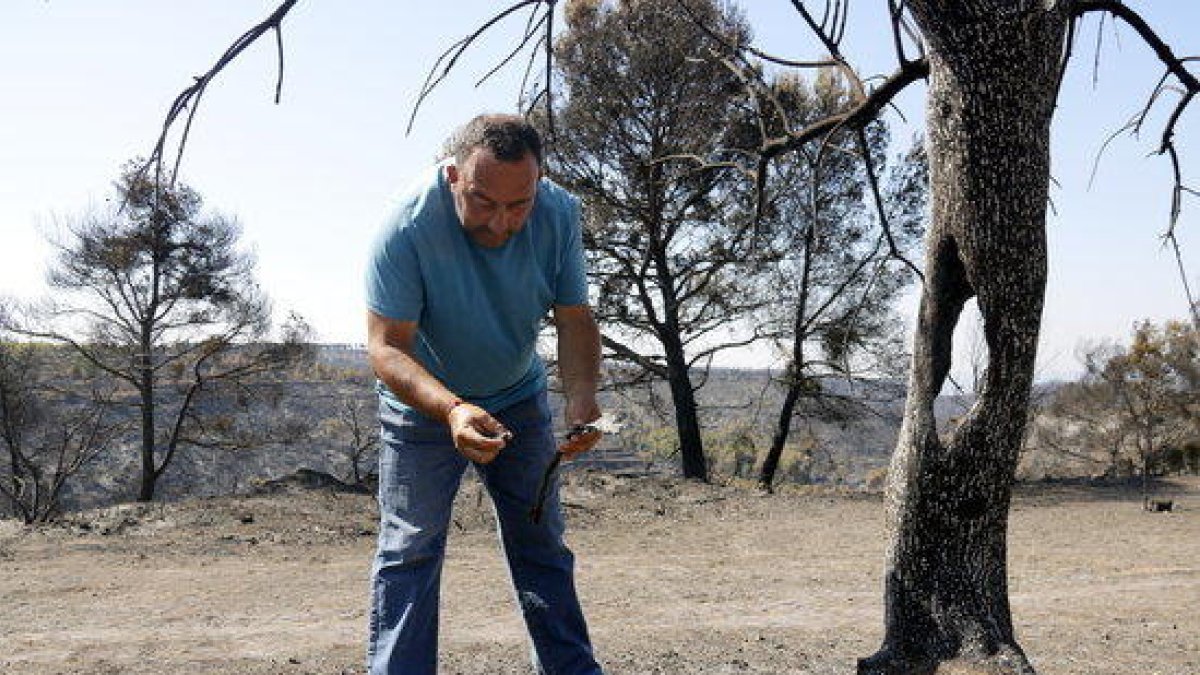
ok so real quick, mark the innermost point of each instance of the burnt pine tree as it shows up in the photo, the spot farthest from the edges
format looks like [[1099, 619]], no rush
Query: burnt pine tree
[[641, 102], [993, 68], [157, 294], [839, 271]]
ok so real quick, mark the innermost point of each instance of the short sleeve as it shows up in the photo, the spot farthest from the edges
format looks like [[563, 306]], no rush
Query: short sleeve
[[393, 276], [570, 287]]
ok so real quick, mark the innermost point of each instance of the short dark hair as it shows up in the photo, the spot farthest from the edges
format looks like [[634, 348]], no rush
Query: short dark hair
[[508, 137]]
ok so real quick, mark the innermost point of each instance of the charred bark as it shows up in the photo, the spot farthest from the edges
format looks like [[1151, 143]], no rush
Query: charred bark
[[145, 378], [993, 81], [687, 423], [683, 398], [795, 375], [783, 427]]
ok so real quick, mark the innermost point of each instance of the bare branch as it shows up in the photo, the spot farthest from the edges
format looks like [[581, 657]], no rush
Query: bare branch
[[452, 54], [884, 221], [189, 99], [1193, 310], [279, 54], [547, 90], [625, 353], [751, 49], [858, 116], [531, 29], [901, 28], [1174, 64], [709, 352]]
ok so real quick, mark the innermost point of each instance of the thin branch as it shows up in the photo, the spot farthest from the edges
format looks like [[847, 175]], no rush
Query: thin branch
[[819, 27], [751, 49], [1098, 50], [1065, 58], [80, 349], [189, 98], [1193, 309], [884, 221], [858, 116], [1173, 63], [1175, 66], [451, 55], [628, 354], [279, 53], [896, 10], [1131, 124], [530, 30], [549, 43]]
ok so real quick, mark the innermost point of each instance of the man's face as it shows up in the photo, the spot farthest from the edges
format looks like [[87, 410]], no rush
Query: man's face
[[493, 198]]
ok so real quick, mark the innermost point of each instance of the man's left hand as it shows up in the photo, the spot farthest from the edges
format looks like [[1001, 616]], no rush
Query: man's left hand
[[579, 413]]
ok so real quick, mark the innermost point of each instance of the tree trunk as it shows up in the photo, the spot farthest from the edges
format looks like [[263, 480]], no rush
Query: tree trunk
[[683, 395], [783, 427], [687, 418], [1147, 446], [993, 75], [149, 473]]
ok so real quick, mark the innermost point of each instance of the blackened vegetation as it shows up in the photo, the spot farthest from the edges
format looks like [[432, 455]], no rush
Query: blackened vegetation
[[157, 297]]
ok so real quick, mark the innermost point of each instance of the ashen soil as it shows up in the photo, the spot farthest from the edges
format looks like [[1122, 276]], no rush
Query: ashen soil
[[675, 577]]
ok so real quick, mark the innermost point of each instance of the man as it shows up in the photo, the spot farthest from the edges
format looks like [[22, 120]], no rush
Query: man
[[457, 287]]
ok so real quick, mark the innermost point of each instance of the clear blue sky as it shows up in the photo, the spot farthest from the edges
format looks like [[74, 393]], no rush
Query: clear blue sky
[[84, 87]]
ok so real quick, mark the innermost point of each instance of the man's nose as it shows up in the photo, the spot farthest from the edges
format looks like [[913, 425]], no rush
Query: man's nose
[[501, 222]]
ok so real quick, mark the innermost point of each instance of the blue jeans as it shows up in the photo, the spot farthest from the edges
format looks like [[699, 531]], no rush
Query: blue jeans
[[419, 474]]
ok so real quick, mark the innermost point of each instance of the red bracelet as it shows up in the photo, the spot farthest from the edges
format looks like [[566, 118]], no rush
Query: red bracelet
[[453, 404]]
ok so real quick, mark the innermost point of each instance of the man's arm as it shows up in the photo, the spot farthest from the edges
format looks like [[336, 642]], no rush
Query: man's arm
[[477, 435], [579, 367]]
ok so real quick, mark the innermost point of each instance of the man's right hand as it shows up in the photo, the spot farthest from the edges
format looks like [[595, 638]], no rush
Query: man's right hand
[[477, 435]]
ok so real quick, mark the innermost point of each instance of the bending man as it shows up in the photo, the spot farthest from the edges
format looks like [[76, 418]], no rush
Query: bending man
[[478, 252]]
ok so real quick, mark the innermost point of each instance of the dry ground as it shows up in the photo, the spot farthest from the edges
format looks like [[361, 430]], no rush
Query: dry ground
[[675, 578]]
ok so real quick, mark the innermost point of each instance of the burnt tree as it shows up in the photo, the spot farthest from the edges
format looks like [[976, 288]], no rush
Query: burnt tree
[[671, 251], [947, 502]]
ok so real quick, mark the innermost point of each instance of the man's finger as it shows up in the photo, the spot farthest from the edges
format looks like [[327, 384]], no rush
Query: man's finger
[[480, 449], [484, 441], [483, 455], [582, 442]]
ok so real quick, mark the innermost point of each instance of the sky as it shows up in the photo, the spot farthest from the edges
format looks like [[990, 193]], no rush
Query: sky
[[84, 87]]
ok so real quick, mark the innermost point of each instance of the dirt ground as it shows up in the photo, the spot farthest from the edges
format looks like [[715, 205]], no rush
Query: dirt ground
[[675, 578]]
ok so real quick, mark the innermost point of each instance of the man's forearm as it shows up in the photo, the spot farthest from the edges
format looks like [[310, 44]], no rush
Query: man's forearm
[[411, 383], [476, 435], [579, 355]]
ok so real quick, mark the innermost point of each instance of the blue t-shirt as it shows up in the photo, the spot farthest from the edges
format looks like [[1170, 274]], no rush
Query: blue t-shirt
[[478, 310]]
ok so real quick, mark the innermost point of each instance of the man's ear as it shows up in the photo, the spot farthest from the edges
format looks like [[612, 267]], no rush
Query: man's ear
[[451, 174]]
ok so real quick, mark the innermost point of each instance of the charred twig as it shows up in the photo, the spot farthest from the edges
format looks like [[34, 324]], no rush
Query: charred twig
[[750, 49], [189, 99], [884, 221], [625, 353], [449, 58], [859, 115], [1189, 87]]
